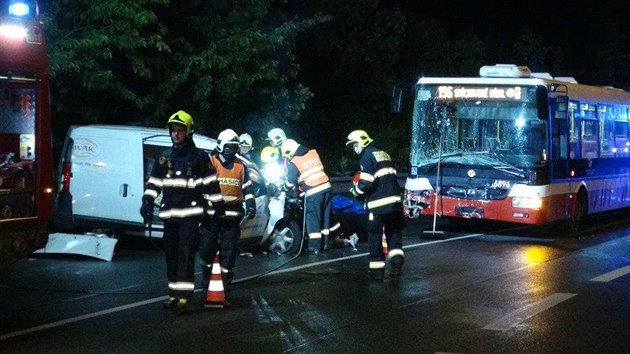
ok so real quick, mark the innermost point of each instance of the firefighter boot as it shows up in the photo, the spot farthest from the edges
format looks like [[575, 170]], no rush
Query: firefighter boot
[[396, 264], [376, 274], [183, 306], [170, 303]]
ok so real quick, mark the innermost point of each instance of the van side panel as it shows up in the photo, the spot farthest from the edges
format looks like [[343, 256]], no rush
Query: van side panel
[[107, 176]]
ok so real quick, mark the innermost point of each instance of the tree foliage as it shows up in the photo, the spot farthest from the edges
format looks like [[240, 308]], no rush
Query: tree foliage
[[317, 69], [115, 61]]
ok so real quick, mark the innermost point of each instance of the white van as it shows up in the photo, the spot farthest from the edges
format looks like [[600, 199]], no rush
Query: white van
[[101, 178]]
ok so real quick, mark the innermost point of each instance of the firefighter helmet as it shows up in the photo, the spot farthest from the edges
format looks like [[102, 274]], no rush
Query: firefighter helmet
[[246, 140], [228, 136], [183, 118], [289, 147], [269, 154], [361, 138], [276, 137]]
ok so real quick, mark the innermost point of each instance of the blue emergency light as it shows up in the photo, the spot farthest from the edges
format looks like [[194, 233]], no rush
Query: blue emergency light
[[19, 8]]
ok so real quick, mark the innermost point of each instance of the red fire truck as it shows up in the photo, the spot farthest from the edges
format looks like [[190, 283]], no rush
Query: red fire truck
[[26, 166]]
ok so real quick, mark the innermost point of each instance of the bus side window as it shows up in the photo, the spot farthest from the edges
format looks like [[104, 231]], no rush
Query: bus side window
[[589, 139], [573, 130]]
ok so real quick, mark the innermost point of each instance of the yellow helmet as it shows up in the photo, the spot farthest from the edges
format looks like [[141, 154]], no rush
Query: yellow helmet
[[289, 147], [359, 136], [184, 119], [269, 154]]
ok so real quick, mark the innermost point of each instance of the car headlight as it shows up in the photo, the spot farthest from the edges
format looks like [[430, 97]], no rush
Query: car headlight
[[273, 172], [527, 202]]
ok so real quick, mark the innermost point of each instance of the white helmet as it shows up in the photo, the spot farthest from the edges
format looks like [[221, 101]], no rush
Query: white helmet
[[276, 137], [246, 140], [289, 147], [228, 136]]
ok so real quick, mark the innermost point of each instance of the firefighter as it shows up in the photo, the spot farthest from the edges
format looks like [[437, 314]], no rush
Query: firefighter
[[185, 180], [222, 234], [378, 187], [276, 137], [246, 145], [306, 172]]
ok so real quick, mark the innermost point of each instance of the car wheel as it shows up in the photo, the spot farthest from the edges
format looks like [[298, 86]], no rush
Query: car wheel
[[286, 237]]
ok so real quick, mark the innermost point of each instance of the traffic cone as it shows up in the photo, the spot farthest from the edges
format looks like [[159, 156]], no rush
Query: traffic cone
[[384, 243], [215, 296]]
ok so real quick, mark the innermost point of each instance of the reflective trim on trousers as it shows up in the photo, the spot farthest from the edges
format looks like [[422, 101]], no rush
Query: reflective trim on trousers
[[395, 252], [181, 286], [377, 264], [315, 235]]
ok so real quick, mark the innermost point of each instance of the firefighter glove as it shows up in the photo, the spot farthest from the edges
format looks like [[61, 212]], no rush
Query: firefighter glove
[[353, 191], [146, 210]]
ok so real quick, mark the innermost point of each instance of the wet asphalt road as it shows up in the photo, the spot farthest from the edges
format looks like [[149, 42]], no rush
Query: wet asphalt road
[[484, 289]]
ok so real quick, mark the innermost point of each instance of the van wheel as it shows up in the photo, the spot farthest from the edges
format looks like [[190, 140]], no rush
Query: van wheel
[[579, 214], [286, 237]]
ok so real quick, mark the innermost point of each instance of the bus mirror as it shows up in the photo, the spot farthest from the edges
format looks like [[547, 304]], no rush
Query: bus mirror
[[562, 105], [398, 98]]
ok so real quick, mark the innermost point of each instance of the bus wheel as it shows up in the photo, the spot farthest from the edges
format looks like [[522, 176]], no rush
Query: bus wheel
[[579, 214]]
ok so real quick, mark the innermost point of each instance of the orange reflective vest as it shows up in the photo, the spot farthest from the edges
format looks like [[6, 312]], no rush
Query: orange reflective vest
[[311, 169], [230, 180]]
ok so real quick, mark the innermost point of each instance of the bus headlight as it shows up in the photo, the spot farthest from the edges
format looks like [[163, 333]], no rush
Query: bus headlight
[[527, 202]]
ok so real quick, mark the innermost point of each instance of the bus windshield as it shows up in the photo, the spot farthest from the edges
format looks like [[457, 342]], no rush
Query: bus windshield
[[460, 121]]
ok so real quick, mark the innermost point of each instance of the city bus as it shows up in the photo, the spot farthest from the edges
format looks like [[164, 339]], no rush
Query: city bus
[[26, 172], [516, 146]]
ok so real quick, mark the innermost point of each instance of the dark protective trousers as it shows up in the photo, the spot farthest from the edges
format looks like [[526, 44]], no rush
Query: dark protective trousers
[[221, 236], [390, 223], [317, 209], [181, 239]]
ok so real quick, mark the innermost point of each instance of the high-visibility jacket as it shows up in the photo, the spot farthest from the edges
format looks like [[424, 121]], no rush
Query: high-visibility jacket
[[184, 178], [234, 184], [307, 170], [377, 181]]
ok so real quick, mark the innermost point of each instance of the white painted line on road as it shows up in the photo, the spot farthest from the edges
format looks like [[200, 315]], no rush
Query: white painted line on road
[[520, 315], [606, 277], [103, 293], [285, 270], [80, 318], [162, 298]]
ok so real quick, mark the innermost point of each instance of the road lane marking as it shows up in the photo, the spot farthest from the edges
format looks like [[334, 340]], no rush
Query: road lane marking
[[522, 314], [162, 298], [606, 277], [80, 318], [285, 270]]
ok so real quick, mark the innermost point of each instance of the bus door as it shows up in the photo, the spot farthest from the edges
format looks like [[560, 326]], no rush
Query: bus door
[[562, 150]]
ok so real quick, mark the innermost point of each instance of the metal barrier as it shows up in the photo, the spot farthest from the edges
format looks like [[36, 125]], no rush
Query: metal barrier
[[341, 185]]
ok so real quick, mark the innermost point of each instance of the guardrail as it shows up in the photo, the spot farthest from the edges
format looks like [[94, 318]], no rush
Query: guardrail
[[341, 185]]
